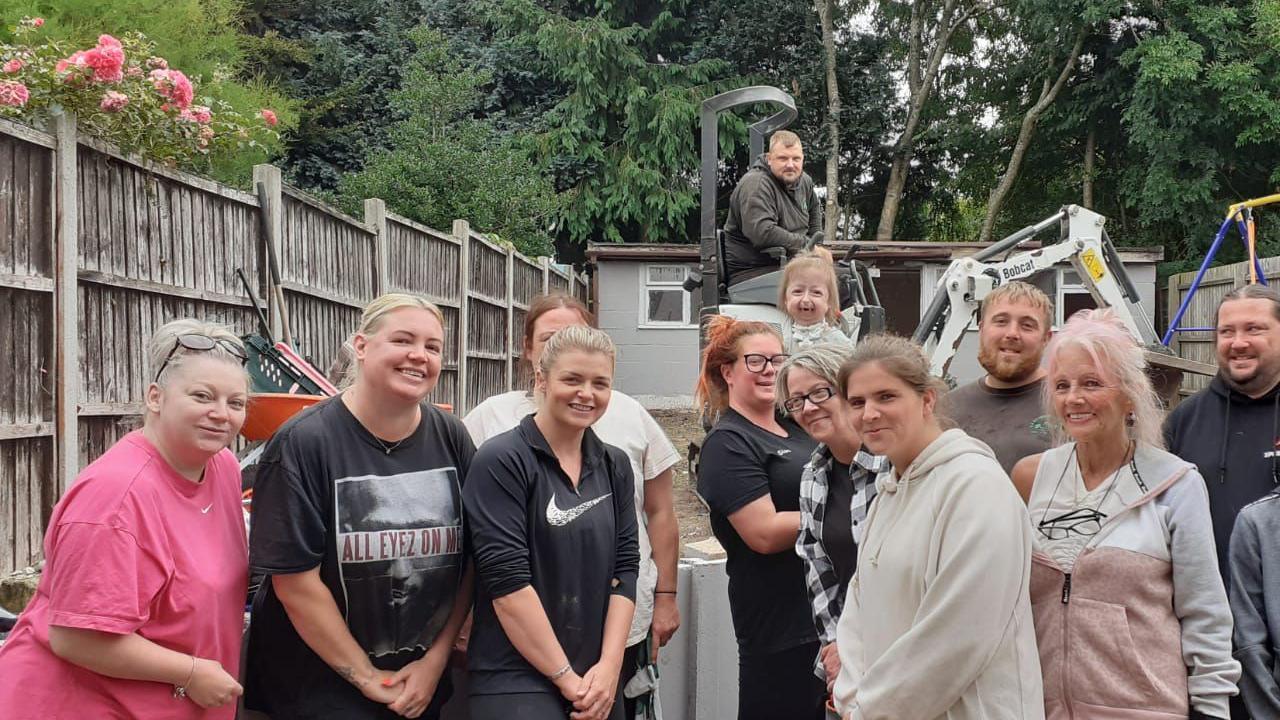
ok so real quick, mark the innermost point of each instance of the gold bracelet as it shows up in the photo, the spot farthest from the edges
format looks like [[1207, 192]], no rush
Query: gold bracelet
[[180, 691]]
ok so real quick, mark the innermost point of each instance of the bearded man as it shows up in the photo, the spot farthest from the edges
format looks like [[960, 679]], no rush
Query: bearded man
[[1005, 407]]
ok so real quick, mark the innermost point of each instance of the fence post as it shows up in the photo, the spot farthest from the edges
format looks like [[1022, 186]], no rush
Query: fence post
[[1172, 300], [511, 314], [273, 183], [545, 262], [66, 301], [462, 231], [375, 216]]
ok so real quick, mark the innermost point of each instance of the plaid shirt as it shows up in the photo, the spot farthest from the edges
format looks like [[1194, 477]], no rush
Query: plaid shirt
[[826, 594]]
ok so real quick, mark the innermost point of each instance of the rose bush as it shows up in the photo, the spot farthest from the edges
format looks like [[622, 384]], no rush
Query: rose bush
[[122, 92]]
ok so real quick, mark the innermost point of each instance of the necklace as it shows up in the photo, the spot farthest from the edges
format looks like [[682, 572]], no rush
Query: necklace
[[388, 448]]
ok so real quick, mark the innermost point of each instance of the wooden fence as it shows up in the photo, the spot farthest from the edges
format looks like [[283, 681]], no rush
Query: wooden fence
[[98, 249], [1217, 282]]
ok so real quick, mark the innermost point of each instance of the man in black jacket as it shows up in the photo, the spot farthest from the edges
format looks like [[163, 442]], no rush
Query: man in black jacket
[[774, 205], [1231, 430]]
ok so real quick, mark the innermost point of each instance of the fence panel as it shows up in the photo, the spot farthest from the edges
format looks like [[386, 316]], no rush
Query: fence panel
[[425, 261], [327, 270], [154, 246], [487, 341], [27, 411]]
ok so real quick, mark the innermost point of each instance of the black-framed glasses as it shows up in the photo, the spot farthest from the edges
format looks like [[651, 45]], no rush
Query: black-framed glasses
[[1085, 522], [200, 343], [755, 362], [817, 396]]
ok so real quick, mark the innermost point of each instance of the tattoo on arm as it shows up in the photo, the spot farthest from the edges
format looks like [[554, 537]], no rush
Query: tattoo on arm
[[349, 674]]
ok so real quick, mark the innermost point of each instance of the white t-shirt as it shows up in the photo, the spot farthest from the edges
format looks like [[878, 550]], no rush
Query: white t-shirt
[[625, 425]]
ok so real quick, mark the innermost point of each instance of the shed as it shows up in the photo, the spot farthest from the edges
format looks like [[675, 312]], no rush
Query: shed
[[639, 301]]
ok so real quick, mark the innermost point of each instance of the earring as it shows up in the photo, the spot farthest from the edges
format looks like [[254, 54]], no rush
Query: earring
[[1130, 419]]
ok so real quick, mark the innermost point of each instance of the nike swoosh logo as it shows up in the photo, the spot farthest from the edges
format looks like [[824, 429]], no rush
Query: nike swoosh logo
[[560, 518], [206, 509]]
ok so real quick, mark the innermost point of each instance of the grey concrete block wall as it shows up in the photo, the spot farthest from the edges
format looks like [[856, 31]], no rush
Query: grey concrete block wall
[[651, 361]]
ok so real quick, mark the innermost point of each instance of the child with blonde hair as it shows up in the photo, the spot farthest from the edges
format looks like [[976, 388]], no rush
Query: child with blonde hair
[[810, 299]]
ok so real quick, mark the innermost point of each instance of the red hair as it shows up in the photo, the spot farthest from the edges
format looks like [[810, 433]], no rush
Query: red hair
[[724, 339]]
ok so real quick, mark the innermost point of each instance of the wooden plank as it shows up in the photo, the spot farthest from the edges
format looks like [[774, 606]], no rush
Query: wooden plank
[[101, 409], [23, 282], [98, 278], [462, 230], [26, 430], [29, 134], [301, 289]]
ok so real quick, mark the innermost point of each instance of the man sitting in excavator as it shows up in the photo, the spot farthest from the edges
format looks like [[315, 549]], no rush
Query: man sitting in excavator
[[773, 205]]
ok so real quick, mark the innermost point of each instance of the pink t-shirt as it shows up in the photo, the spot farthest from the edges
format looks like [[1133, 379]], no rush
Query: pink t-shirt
[[133, 547]]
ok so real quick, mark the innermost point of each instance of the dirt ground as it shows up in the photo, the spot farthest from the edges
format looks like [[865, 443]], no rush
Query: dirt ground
[[682, 427]]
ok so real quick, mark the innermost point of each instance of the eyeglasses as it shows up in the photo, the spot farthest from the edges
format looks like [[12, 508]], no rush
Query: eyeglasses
[[816, 396], [201, 343], [1085, 522], [755, 362]]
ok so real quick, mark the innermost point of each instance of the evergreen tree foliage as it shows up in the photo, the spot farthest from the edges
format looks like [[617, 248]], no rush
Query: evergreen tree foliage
[[441, 163]]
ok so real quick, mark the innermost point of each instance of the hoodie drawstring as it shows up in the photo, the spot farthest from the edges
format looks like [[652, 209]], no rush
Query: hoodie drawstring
[[1226, 440], [1275, 433]]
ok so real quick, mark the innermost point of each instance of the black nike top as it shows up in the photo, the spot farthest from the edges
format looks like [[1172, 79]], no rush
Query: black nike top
[[529, 527]]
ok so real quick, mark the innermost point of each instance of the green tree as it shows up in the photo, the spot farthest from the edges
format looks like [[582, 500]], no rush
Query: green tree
[[442, 163], [343, 61], [623, 137]]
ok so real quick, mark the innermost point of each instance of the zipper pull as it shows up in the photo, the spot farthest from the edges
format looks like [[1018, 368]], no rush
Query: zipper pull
[[1066, 589]]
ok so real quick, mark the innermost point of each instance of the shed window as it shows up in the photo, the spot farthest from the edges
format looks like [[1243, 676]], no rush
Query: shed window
[[664, 301]]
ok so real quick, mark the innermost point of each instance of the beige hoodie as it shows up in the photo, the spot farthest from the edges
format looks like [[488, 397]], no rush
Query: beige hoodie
[[937, 622]]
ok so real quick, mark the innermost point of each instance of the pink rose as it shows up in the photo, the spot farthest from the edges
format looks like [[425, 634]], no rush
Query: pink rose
[[37, 22], [107, 60], [157, 63], [76, 60], [133, 71], [173, 86], [13, 94], [13, 66], [196, 114], [269, 117], [113, 101]]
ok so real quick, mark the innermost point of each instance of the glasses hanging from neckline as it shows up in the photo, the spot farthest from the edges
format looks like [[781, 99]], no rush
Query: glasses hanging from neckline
[[196, 342]]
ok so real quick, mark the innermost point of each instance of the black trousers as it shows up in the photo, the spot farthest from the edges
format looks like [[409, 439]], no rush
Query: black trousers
[[526, 706], [781, 685]]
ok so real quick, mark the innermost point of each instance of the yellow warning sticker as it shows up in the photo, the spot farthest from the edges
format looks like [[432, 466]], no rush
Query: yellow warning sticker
[[1093, 264]]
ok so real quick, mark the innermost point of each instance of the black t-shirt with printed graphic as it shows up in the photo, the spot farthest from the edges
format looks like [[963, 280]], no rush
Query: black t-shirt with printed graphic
[[741, 462], [385, 529]]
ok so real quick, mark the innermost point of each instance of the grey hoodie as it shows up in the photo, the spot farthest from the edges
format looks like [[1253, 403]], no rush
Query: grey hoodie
[[765, 213], [1255, 602]]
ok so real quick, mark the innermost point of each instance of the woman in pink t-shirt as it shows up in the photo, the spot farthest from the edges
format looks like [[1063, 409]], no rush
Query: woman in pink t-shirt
[[139, 613]]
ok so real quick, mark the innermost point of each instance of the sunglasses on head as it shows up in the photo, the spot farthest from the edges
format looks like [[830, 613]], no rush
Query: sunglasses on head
[[201, 343]]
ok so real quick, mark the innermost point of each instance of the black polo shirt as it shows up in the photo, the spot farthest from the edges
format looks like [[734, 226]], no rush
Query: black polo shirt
[[529, 527]]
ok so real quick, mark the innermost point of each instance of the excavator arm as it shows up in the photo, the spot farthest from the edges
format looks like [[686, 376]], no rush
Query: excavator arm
[[1082, 241]]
